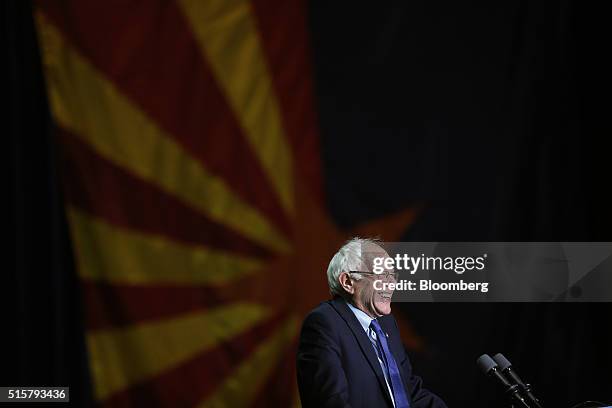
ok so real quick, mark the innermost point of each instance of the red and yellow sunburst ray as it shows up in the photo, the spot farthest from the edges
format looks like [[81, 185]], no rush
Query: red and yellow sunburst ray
[[195, 194], [148, 53]]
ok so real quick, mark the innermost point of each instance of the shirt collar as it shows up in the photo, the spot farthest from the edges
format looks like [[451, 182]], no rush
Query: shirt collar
[[362, 316]]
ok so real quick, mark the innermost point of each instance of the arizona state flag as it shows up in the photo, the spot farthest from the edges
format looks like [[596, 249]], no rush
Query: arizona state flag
[[192, 177]]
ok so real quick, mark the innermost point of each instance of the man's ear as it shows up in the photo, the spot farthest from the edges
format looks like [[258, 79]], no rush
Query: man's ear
[[347, 283]]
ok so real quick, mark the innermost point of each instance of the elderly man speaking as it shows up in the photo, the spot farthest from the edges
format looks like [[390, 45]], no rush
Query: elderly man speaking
[[350, 352]]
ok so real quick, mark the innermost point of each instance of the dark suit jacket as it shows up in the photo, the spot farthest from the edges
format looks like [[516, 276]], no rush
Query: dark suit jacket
[[337, 365]]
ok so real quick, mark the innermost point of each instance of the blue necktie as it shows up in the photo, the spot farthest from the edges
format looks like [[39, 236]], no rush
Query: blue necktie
[[399, 393]]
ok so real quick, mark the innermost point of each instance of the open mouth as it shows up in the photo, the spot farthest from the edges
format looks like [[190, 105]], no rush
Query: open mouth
[[385, 296]]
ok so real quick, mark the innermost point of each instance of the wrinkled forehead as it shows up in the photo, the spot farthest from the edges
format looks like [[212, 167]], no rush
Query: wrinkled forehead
[[373, 254]]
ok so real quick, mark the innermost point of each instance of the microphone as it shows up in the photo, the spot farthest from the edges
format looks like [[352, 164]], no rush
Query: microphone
[[506, 367], [490, 368]]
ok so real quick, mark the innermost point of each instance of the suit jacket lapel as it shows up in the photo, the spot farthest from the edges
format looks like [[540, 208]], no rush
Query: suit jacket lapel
[[364, 342]]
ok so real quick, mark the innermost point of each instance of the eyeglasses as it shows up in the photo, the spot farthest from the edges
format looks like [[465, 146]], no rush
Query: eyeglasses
[[393, 275]]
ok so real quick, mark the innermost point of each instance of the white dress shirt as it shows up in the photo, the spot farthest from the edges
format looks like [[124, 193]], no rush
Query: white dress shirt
[[365, 321]]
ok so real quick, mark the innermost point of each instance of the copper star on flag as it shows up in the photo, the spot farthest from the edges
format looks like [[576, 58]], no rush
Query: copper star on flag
[[193, 185]]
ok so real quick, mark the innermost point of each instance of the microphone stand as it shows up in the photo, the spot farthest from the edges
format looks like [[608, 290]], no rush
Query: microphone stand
[[514, 392], [491, 369]]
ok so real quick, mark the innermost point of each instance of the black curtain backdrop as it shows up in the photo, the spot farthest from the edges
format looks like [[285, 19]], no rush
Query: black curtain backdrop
[[495, 116], [44, 327], [492, 115]]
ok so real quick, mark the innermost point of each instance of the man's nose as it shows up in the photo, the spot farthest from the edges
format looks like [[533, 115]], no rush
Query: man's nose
[[389, 276]]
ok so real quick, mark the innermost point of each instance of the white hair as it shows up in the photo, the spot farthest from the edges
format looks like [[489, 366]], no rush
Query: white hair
[[347, 259]]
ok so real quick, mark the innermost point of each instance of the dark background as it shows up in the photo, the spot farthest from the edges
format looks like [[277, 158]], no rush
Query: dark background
[[493, 116], [496, 115]]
